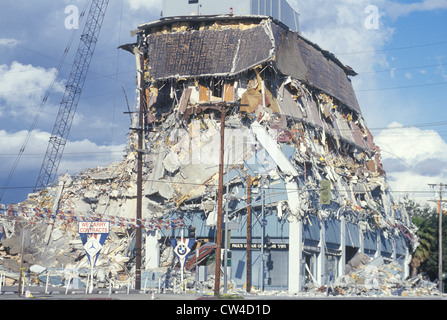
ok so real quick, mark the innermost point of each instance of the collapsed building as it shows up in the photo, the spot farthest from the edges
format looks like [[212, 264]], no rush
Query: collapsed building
[[303, 182], [298, 154]]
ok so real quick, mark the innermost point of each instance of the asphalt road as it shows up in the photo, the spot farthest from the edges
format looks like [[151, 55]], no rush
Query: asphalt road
[[59, 293]]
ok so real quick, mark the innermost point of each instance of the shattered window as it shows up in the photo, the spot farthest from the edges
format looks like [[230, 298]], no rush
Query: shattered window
[[217, 89]]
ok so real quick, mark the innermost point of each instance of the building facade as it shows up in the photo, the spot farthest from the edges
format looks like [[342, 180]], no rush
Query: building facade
[[304, 186]]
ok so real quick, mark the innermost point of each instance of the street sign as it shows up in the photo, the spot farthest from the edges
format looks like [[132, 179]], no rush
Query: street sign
[[92, 247], [93, 227], [231, 225], [181, 249], [93, 235]]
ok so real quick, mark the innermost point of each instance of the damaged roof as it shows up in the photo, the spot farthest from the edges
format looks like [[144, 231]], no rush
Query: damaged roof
[[205, 46]]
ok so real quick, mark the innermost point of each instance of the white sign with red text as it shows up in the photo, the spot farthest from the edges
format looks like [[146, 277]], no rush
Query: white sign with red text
[[93, 227], [93, 235]]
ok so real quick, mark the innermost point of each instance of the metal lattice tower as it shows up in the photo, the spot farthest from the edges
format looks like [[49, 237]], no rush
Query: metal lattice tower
[[73, 90]]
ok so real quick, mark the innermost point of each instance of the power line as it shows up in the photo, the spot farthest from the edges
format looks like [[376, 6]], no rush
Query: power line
[[406, 68], [36, 118], [403, 87], [396, 48], [67, 153], [277, 190], [421, 125]]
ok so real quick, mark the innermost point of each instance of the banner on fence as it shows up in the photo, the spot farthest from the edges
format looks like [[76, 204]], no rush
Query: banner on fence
[[45, 215]]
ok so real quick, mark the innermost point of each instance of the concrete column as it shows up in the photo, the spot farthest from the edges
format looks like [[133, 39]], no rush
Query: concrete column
[[322, 257], [362, 242], [393, 243], [408, 258], [342, 263], [152, 256], [378, 244], [295, 255]]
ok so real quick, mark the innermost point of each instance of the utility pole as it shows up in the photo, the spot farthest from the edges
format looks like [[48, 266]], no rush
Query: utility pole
[[262, 240], [220, 201], [140, 152], [440, 212], [248, 234], [22, 253]]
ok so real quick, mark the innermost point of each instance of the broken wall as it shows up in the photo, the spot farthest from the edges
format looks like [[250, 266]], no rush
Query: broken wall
[[291, 116], [288, 128]]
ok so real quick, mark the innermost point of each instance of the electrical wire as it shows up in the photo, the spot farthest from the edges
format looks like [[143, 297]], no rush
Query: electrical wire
[[394, 49], [402, 69], [403, 87], [277, 190], [36, 118]]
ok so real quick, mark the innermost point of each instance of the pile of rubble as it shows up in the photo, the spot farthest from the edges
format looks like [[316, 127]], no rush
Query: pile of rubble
[[50, 220], [57, 251], [373, 279], [284, 122], [63, 259], [378, 277]]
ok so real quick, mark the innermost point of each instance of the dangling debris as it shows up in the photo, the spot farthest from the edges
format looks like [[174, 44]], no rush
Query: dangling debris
[[320, 201]]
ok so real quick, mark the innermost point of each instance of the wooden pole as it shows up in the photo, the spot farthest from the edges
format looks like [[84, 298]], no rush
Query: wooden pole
[[138, 257], [248, 282], [440, 238], [220, 203], [22, 252], [440, 212]]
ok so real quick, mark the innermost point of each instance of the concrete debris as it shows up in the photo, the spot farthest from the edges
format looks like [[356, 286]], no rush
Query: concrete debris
[[63, 253], [292, 125], [368, 281], [382, 278]]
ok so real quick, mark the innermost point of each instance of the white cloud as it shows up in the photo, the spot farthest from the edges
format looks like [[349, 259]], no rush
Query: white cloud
[[396, 10], [81, 155], [22, 87], [78, 155], [412, 158], [10, 43], [339, 26], [136, 5], [11, 143], [393, 73]]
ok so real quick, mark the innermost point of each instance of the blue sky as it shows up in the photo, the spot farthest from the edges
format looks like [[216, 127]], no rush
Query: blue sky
[[401, 86]]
